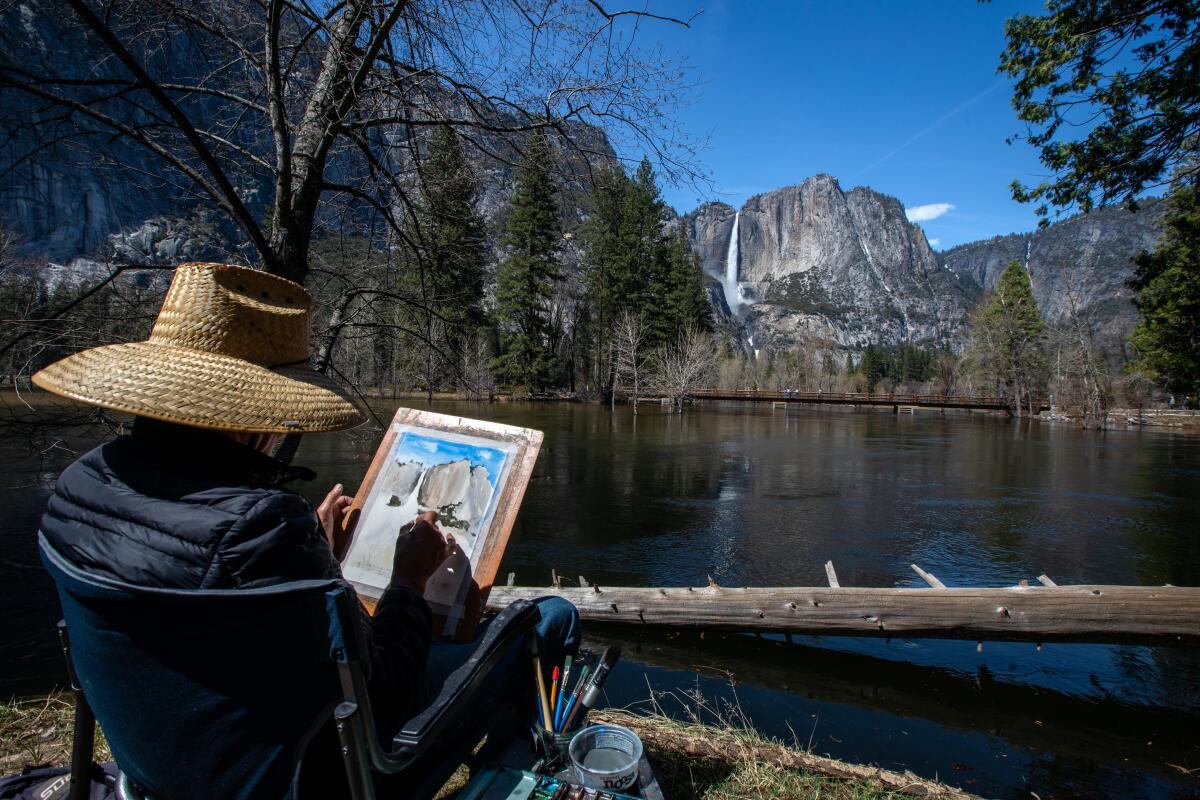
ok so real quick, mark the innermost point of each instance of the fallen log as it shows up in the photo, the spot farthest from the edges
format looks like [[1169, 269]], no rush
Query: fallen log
[[1118, 614]]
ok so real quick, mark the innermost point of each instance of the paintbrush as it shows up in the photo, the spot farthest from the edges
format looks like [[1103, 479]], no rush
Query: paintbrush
[[589, 697], [568, 662], [553, 695], [541, 683], [583, 676]]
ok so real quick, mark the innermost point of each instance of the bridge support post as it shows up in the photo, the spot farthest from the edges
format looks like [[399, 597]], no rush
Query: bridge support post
[[896, 409]]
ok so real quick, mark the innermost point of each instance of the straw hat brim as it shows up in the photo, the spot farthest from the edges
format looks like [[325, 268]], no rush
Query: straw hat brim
[[202, 389]]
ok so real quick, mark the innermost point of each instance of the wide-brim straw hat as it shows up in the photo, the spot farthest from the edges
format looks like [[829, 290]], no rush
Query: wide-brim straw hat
[[228, 351]]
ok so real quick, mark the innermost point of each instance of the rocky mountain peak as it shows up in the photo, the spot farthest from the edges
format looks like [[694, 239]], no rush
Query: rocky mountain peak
[[847, 268]]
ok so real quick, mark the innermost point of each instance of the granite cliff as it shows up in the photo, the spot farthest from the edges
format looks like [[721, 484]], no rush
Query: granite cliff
[[813, 262], [88, 199], [1079, 266]]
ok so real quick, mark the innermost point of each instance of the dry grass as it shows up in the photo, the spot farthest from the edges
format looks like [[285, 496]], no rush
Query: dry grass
[[712, 751], [722, 760], [38, 730]]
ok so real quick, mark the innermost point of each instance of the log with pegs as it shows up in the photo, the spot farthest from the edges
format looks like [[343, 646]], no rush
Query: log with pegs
[[1025, 612]]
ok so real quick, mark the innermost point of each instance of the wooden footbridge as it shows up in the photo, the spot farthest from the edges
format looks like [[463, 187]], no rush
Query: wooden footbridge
[[895, 401], [1041, 612]]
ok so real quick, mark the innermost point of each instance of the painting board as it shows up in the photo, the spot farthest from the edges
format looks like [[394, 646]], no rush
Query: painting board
[[474, 474]]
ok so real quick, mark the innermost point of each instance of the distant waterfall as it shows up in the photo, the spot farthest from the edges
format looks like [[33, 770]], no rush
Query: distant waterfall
[[733, 293]]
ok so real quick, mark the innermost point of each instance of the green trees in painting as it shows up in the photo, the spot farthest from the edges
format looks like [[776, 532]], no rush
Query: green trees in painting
[[1008, 340], [526, 276], [1166, 340]]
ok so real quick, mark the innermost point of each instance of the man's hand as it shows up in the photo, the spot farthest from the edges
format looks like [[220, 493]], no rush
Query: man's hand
[[420, 550], [332, 514]]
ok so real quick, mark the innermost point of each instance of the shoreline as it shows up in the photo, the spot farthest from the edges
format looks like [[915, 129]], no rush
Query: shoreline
[[1185, 421], [1116, 418]]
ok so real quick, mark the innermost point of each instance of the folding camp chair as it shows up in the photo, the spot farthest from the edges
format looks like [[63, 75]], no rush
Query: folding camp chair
[[167, 671]]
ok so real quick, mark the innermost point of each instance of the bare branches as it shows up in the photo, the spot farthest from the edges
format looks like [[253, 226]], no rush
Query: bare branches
[[629, 353], [30, 325], [229, 196], [684, 365]]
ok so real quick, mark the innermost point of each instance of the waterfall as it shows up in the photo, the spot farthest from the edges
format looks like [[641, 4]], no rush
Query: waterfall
[[729, 284]]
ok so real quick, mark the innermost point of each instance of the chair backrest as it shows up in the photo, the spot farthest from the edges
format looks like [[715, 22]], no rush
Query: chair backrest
[[206, 694]]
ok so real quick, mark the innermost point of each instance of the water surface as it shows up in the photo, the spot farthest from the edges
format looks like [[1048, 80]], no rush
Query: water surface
[[751, 496]]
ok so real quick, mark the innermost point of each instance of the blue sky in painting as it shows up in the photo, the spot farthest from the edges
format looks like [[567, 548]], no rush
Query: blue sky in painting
[[431, 451]]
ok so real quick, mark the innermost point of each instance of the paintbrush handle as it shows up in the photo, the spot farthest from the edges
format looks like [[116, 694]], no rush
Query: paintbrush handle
[[541, 686]]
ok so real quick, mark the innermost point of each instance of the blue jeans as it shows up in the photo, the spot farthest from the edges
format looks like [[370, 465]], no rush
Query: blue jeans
[[511, 684]]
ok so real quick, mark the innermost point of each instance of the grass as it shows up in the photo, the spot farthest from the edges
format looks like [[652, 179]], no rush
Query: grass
[[720, 759], [37, 730], [714, 753]]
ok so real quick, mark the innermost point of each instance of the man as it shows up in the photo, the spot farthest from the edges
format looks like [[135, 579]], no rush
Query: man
[[193, 499]]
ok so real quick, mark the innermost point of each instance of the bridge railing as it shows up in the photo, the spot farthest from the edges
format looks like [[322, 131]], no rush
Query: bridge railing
[[874, 398]]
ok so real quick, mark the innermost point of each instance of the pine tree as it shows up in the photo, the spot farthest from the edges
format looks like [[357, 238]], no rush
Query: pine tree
[[606, 258], [686, 299], [452, 269], [1009, 339], [1166, 339], [873, 366], [631, 263], [649, 280], [526, 278]]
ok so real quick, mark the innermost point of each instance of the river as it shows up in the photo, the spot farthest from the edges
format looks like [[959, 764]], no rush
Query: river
[[753, 496]]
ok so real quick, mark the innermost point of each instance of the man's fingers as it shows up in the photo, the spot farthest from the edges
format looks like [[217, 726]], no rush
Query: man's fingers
[[330, 500]]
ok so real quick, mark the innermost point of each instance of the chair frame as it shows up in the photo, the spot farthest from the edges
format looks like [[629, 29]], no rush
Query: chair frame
[[362, 752]]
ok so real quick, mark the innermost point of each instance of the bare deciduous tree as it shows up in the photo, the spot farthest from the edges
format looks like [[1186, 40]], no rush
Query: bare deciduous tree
[[629, 356], [945, 373], [684, 365], [791, 370], [477, 379], [1081, 379], [291, 118]]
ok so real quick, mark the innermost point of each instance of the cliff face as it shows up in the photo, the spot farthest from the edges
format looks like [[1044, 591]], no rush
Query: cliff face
[[66, 199], [101, 197], [1079, 266], [709, 227], [844, 266], [817, 262]]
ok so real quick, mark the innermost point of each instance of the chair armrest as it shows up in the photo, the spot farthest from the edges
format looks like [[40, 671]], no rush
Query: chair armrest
[[463, 684]]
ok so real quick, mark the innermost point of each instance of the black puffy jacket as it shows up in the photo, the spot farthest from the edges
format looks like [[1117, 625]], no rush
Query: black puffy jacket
[[180, 507]]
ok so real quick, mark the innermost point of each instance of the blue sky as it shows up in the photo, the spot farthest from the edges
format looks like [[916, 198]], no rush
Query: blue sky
[[899, 96]]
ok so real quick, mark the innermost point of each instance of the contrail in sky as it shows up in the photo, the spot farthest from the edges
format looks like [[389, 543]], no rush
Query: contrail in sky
[[932, 126]]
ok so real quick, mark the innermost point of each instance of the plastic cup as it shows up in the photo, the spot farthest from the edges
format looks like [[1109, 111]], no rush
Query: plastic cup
[[606, 757]]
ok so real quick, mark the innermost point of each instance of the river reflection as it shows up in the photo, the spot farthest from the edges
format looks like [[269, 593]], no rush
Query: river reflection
[[751, 496]]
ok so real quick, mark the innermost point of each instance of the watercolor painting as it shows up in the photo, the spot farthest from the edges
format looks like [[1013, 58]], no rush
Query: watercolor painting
[[427, 470]]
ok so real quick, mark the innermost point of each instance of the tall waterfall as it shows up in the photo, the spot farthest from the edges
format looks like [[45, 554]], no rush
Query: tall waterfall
[[729, 284]]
